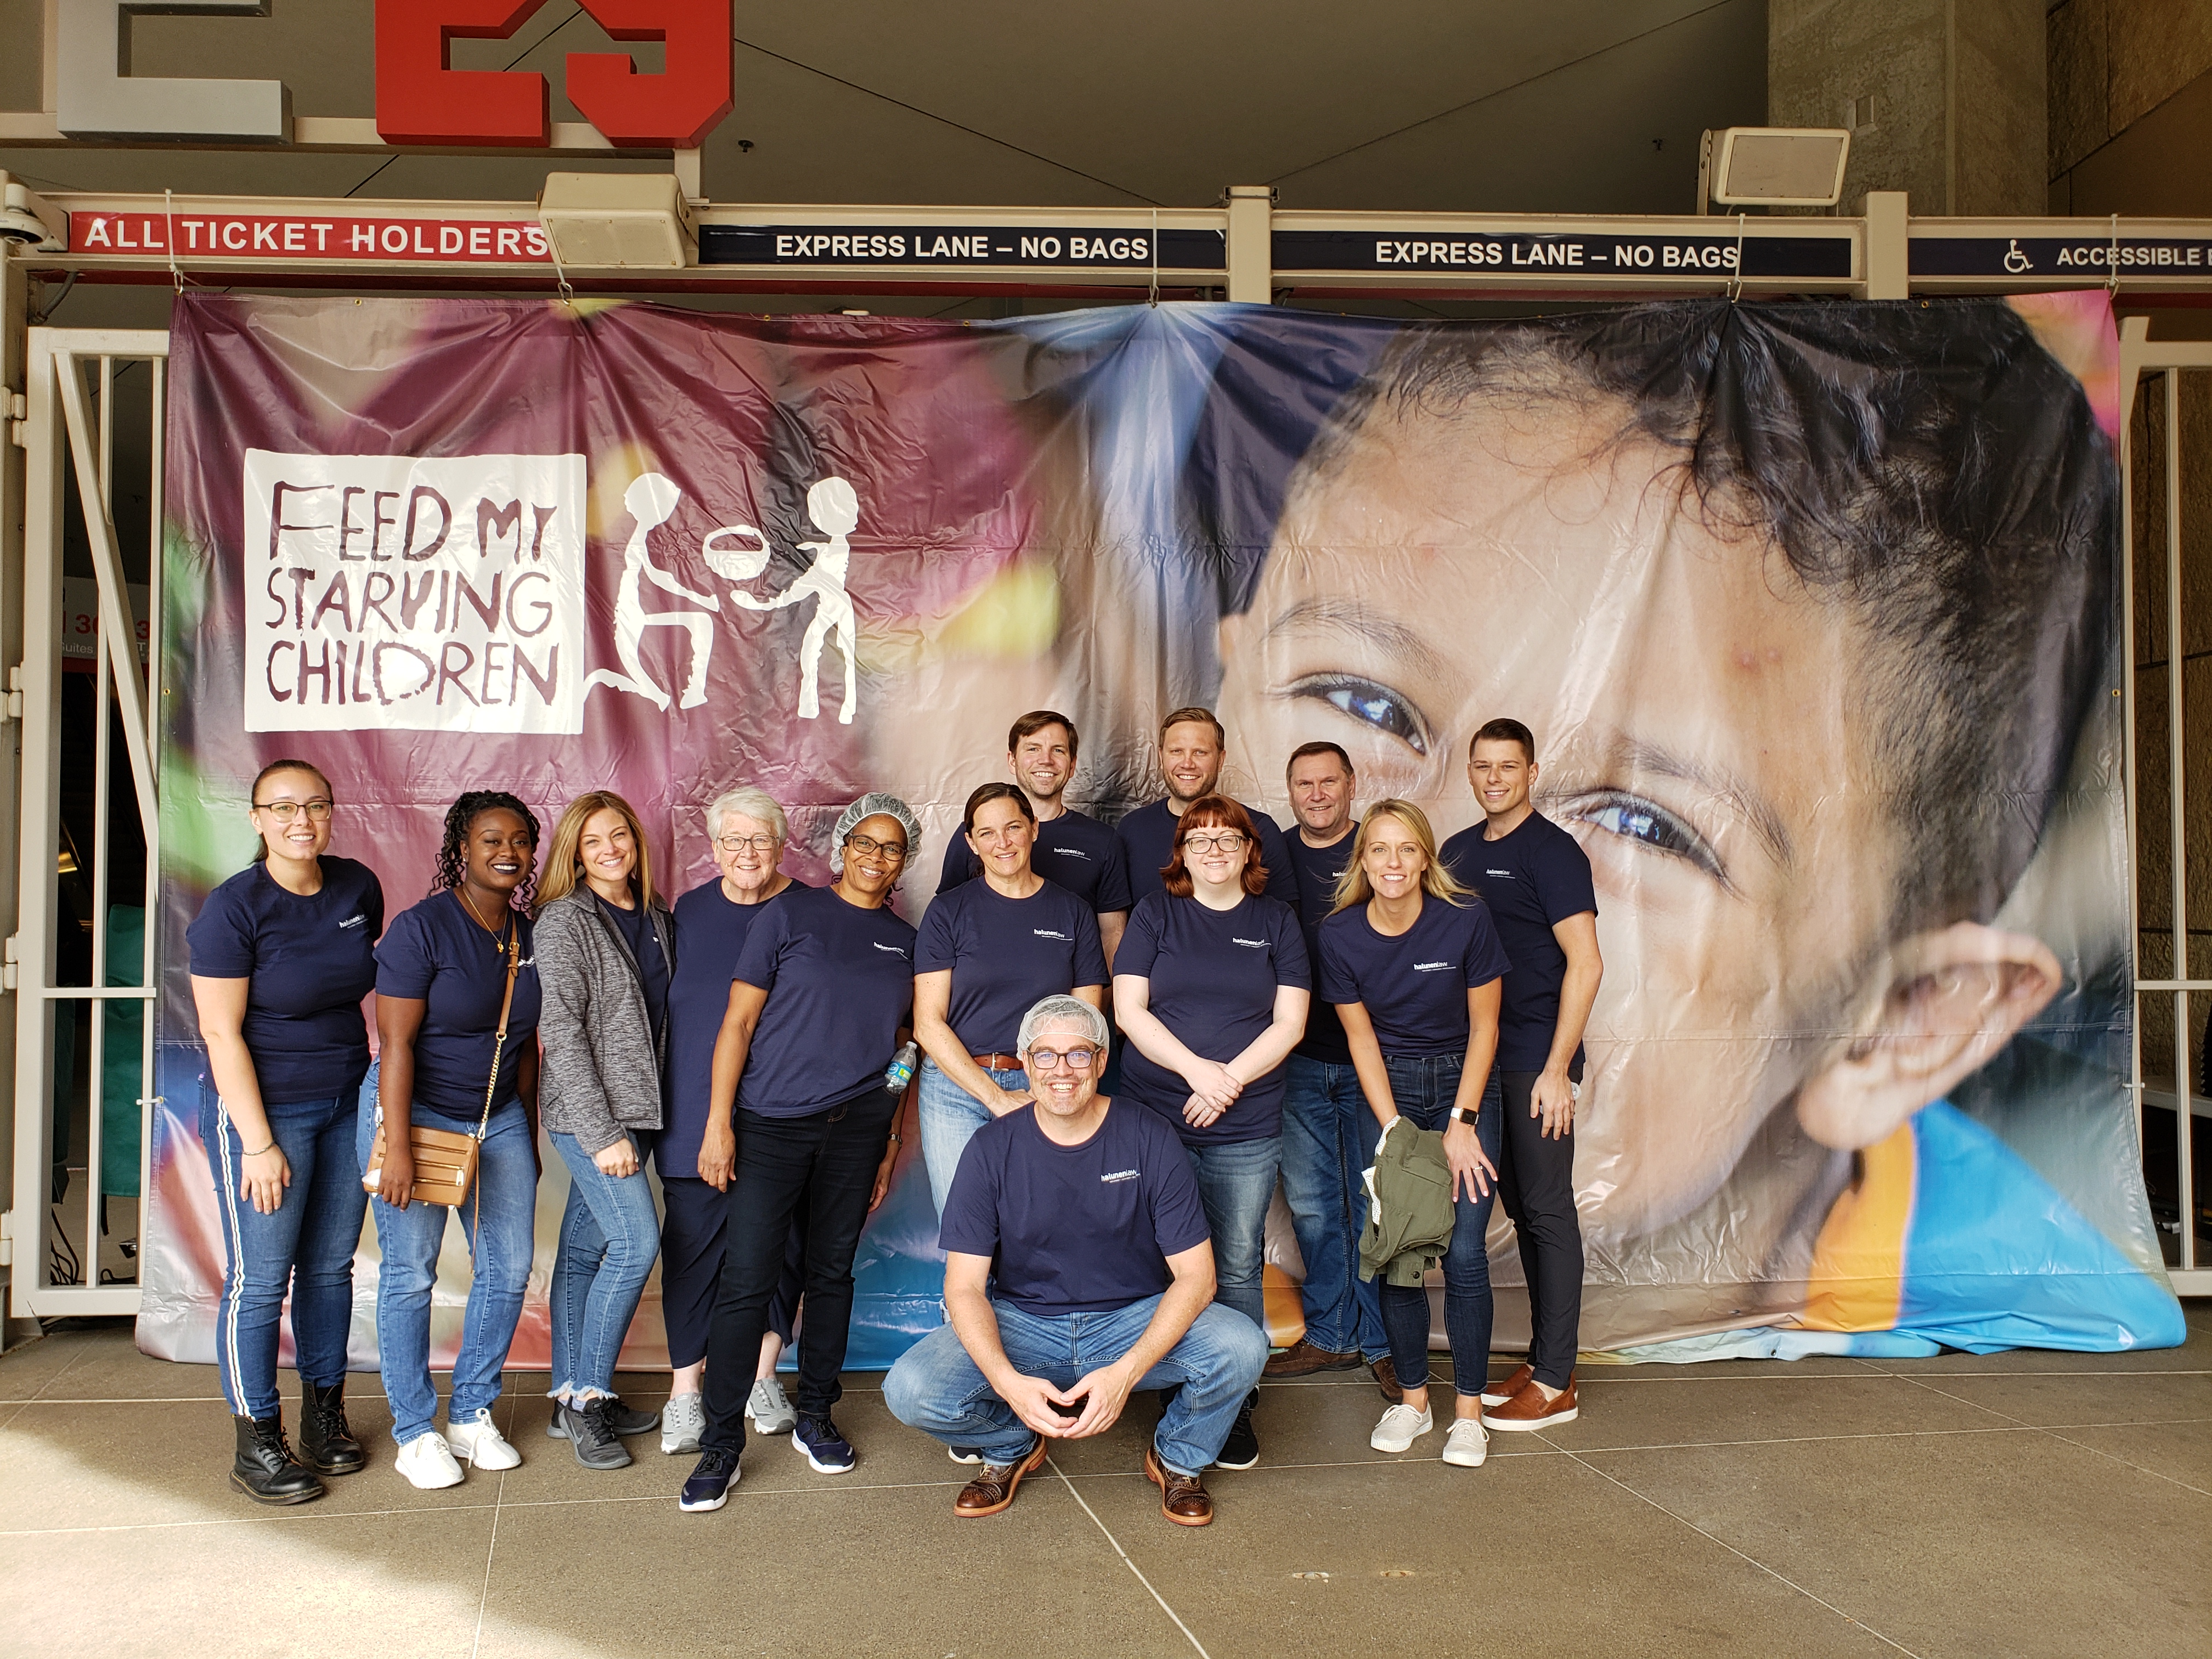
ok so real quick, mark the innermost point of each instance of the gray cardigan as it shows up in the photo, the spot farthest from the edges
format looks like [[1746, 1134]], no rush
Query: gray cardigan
[[603, 1062]]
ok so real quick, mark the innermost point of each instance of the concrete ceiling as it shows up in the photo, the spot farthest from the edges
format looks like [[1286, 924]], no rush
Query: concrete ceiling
[[1565, 106]]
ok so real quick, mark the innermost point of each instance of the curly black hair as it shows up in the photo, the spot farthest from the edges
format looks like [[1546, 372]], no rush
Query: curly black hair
[[459, 816]]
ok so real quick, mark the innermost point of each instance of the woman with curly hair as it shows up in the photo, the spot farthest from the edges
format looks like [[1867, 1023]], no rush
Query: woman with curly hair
[[456, 1004]]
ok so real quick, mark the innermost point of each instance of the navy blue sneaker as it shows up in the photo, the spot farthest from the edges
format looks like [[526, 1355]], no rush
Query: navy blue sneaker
[[708, 1488], [828, 1452]]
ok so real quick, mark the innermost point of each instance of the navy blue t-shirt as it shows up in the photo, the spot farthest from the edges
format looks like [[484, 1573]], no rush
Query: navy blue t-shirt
[[1005, 954], [1082, 855], [1148, 836], [308, 961], [1415, 986], [839, 983], [440, 954], [1318, 867], [710, 933], [1083, 1228], [637, 932], [1533, 880], [1213, 976]]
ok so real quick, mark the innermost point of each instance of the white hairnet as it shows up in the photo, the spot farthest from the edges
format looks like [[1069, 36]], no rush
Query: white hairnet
[[875, 803]]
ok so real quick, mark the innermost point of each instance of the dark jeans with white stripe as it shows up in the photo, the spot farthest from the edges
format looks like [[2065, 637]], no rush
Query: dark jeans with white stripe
[[304, 1247]]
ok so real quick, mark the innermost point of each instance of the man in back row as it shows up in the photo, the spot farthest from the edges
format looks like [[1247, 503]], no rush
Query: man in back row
[[1192, 742]]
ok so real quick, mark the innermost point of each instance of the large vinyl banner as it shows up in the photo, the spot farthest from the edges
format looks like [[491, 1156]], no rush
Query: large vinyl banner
[[1814, 609]]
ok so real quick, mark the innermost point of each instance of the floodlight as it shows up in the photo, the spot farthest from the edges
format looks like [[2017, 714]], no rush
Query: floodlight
[[1773, 167], [617, 219]]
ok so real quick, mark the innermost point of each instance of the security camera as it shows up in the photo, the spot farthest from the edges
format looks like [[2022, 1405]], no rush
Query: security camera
[[27, 220]]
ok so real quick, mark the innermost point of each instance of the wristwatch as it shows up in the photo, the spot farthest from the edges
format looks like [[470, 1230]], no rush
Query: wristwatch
[[1466, 1115]]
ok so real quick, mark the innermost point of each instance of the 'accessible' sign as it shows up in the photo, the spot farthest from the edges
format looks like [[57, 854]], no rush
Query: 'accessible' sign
[[969, 246], [2061, 258], [1550, 255], [298, 236]]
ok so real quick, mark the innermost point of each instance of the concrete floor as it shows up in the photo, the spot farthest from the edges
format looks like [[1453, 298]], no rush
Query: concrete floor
[[2024, 1503]]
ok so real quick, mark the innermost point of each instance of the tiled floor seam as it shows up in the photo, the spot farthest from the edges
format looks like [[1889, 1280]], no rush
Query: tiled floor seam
[[1780, 1578], [1071, 1492], [2053, 1431]]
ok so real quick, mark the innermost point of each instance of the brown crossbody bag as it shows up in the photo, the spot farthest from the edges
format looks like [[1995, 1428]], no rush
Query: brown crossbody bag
[[446, 1163]]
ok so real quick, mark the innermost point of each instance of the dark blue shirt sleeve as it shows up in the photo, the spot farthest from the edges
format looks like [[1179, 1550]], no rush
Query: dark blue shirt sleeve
[[1562, 881], [971, 1226], [221, 939], [1338, 984], [764, 949], [1486, 957], [405, 963], [1090, 953], [1140, 941], [1292, 967], [934, 944], [1114, 893], [1178, 1213]]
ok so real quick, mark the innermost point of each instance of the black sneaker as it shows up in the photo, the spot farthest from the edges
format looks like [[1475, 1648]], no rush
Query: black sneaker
[[964, 1454], [713, 1476], [592, 1437], [1241, 1449], [828, 1452], [626, 1420]]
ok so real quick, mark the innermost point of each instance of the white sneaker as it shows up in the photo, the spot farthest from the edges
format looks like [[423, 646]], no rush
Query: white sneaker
[[1467, 1443], [1401, 1425], [683, 1420], [427, 1462], [480, 1442]]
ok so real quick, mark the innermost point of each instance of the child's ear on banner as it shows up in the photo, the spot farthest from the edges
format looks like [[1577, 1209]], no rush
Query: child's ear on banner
[[1949, 1001]]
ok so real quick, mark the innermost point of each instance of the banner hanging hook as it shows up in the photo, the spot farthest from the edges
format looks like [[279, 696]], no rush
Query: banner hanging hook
[[1735, 279], [1153, 299], [2113, 261], [560, 276], [169, 233]]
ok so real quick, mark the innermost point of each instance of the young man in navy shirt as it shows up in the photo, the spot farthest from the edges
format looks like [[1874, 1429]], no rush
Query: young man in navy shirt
[[1088, 1217], [1536, 879], [1329, 1133], [1191, 745], [1072, 849]]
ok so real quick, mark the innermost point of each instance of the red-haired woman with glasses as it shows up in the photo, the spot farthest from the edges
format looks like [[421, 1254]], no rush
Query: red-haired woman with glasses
[[1211, 987]]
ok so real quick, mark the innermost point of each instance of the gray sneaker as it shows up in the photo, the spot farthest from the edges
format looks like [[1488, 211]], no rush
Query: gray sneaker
[[593, 1438], [683, 1420], [772, 1412]]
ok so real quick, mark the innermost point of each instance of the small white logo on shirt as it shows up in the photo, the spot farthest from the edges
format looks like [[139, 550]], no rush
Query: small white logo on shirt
[[1502, 875], [353, 921], [1119, 1175], [893, 949], [1430, 967], [1249, 943], [1047, 933], [1069, 851]]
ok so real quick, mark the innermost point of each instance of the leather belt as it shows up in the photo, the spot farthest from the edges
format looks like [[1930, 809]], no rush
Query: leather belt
[[995, 1061]]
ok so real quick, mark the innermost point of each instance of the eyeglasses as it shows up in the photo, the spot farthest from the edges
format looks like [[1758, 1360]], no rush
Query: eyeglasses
[[1228, 842], [867, 845], [1046, 1060], [738, 843], [286, 810]]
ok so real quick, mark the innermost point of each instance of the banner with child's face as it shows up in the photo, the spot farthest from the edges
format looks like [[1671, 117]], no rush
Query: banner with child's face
[[1813, 609]]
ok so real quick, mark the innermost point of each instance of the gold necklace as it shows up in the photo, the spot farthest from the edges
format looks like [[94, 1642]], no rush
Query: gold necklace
[[461, 892]]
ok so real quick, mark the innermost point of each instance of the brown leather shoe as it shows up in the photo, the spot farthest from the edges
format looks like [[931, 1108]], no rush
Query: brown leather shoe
[[1498, 1392], [995, 1484], [1386, 1378], [1528, 1411], [1302, 1358], [1183, 1497]]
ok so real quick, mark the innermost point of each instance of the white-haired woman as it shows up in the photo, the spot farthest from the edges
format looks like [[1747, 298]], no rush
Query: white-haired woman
[[800, 1118], [748, 831]]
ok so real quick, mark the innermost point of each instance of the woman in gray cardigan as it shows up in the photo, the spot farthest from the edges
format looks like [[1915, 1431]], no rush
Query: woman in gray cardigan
[[606, 951]]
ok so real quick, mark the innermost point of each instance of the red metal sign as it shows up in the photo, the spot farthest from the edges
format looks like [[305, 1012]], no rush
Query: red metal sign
[[296, 236]]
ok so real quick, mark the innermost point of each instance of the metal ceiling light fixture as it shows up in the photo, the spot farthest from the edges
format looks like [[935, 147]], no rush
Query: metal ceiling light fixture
[[618, 219], [27, 220], [1771, 167]]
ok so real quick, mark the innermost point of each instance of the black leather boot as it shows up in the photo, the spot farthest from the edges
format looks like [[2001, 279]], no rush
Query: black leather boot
[[326, 1442], [265, 1470]]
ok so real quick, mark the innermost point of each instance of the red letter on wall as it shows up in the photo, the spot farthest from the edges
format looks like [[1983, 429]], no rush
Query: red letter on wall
[[419, 101], [678, 108]]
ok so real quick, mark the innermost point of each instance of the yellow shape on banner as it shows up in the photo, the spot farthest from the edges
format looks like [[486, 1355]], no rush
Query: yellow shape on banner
[[613, 472], [1015, 614], [1857, 1280]]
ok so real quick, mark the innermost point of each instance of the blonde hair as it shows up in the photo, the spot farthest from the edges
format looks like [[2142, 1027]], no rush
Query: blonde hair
[[564, 868], [1352, 886]]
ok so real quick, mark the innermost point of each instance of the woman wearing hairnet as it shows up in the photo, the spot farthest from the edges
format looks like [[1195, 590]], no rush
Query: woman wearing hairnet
[[798, 1114]]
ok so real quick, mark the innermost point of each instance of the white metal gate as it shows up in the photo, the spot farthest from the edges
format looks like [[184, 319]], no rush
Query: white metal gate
[[74, 408]]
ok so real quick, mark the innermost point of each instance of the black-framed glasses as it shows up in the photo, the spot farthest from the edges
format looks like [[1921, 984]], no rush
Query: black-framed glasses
[[1048, 1059], [317, 810], [866, 845], [1227, 842], [738, 843]]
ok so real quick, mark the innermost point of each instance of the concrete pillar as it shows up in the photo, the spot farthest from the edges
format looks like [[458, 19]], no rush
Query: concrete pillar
[[1251, 243], [1945, 99]]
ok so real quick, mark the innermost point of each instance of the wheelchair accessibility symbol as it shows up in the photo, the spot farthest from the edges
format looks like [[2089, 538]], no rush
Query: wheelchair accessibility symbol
[[2016, 261]]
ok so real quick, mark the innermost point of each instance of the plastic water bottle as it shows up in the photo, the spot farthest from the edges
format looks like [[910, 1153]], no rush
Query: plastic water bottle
[[901, 1070]]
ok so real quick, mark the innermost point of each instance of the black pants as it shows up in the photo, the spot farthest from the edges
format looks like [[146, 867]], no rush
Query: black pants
[[693, 1234], [824, 1167], [1536, 1185]]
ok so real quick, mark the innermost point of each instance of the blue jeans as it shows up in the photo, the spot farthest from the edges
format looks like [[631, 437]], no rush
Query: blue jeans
[[936, 1388], [610, 1234], [1236, 1183], [1329, 1139], [304, 1246], [506, 1191], [1425, 1087], [949, 1117]]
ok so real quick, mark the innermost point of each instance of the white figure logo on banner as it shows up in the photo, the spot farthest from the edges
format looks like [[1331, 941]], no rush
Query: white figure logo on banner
[[652, 500], [836, 509]]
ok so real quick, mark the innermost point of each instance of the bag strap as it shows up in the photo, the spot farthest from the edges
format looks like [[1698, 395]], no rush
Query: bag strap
[[506, 1006]]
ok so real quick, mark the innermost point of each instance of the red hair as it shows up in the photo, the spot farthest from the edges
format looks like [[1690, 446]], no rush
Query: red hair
[[1219, 812]]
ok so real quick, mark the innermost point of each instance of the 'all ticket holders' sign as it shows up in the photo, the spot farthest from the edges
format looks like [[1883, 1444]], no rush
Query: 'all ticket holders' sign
[[388, 592], [294, 236]]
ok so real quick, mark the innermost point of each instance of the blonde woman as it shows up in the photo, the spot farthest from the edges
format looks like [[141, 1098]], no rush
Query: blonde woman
[[606, 953], [1410, 962]]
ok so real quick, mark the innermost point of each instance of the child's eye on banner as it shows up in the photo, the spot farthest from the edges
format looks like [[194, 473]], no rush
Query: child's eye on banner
[[1633, 818], [1371, 704]]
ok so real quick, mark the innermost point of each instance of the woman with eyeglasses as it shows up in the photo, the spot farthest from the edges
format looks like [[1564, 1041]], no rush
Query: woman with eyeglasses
[[988, 949], [443, 975], [800, 1118], [282, 955], [1211, 987], [712, 921]]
